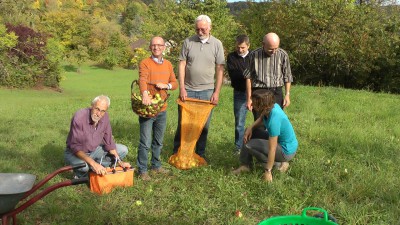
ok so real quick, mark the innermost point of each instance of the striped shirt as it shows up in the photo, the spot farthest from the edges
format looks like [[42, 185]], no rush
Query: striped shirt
[[269, 71]]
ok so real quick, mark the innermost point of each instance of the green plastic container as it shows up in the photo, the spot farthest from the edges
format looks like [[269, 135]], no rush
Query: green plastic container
[[300, 220]]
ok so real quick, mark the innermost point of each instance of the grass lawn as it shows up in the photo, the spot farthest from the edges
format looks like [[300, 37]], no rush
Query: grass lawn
[[346, 162]]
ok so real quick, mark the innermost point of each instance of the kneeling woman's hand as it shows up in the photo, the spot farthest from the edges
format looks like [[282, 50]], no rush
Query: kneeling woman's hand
[[267, 176], [247, 134]]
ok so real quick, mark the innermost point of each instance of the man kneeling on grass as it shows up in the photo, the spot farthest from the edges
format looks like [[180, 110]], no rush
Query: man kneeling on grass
[[280, 144], [90, 140]]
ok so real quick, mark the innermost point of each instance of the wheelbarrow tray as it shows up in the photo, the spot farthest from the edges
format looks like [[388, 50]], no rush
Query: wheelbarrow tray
[[18, 187], [13, 187]]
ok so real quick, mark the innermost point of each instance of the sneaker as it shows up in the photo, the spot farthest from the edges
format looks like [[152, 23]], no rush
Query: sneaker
[[284, 167], [160, 170], [144, 176], [236, 152], [240, 170]]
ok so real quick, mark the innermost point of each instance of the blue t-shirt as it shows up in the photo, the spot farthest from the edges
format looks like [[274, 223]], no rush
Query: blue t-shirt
[[278, 124]]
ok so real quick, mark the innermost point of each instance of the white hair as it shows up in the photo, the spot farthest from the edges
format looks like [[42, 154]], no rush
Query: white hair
[[203, 18], [103, 98]]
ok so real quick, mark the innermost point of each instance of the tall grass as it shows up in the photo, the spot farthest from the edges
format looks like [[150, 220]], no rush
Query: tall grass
[[347, 162]]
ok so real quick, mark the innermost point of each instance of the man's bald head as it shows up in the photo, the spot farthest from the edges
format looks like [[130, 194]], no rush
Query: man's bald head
[[271, 43]]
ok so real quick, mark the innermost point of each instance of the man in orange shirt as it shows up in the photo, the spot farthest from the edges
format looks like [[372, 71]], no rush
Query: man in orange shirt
[[156, 76]]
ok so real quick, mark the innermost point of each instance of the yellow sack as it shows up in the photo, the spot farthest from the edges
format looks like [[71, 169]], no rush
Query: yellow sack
[[194, 116]]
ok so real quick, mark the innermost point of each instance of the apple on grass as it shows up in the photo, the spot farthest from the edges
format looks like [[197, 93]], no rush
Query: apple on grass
[[238, 214]]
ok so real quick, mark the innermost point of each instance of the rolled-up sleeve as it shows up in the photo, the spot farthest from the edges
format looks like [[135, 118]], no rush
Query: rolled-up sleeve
[[287, 72], [76, 135]]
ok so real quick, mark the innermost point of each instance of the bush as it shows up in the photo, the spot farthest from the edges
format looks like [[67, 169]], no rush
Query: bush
[[27, 63], [139, 55]]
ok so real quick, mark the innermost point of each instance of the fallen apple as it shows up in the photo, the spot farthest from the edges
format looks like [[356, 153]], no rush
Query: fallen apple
[[238, 214]]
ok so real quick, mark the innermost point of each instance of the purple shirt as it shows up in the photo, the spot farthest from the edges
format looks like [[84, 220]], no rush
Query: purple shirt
[[83, 136]]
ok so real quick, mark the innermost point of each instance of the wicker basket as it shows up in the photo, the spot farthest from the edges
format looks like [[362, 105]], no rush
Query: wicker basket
[[158, 98]]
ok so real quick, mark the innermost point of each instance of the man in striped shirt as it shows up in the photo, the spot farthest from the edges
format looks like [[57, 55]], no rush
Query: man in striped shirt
[[269, 69]]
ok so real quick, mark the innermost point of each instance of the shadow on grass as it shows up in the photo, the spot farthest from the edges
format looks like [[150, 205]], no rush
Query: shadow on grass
[[9, 155], [70, 68], [53, 155], [100, 66], [126, 132]]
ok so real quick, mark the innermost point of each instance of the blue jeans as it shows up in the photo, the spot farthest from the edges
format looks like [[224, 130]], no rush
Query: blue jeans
[[96, 155], [202, 141], [240, 112], [151, 136]]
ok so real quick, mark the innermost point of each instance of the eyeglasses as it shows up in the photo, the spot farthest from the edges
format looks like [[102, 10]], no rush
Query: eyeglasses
[[99, 110], [157, 46], [203, 30]]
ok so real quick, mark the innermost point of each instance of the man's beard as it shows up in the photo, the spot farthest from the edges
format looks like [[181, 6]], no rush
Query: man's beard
[[95, 118], [203, 37]]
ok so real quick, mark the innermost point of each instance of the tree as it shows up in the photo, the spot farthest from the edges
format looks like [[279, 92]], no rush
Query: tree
[[88, 30], [333, 42], [108, 45], [178, 23], [79, 55], [71, 26], [7, 39], [116, 52], [133, 18], [18, 12]]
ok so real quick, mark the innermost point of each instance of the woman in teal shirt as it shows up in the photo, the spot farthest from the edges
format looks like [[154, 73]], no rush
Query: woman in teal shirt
[[280, 145]]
